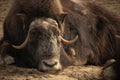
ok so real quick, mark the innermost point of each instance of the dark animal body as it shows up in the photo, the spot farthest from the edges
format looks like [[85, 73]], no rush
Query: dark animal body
[[41, 28]]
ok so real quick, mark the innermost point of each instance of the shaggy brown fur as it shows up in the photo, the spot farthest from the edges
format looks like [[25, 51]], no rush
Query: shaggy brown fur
[[37, 8], [31, 9], [95, 26], [96, 31]]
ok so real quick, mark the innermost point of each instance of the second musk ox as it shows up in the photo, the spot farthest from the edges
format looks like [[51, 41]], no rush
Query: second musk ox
[[35, 34]]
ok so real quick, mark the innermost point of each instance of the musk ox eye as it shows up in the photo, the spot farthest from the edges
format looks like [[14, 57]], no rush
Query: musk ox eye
[[55, 31], [35, 32]]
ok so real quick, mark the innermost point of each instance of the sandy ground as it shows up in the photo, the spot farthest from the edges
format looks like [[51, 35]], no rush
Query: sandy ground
[[70, 73]]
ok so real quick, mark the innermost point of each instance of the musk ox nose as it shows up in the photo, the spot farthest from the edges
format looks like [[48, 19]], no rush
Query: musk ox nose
[[51, 64]]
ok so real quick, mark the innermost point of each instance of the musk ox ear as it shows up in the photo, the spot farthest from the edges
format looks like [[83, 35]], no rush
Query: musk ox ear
[[61, 17], [60, 20], [22, 17]]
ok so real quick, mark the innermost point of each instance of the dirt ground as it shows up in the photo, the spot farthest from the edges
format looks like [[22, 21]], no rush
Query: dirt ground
[[70, 73]]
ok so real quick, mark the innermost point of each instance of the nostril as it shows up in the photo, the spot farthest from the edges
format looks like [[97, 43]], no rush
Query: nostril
[[50, 65]]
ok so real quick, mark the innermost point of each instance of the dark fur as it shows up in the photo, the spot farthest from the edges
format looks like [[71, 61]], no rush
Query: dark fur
[[95, 26], [31, 9]]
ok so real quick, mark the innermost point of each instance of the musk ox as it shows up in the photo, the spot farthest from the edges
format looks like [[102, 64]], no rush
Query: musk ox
[[34, 31], [20, 35]]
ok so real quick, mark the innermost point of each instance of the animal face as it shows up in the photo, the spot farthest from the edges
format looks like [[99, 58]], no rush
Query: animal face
[[44, 43]]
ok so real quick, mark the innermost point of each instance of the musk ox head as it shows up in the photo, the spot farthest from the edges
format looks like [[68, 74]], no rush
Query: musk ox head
[[44, 42]]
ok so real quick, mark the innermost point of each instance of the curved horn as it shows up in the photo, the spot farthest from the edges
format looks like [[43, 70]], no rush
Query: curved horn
[[22, 45], [64, 41], [26, 40]]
